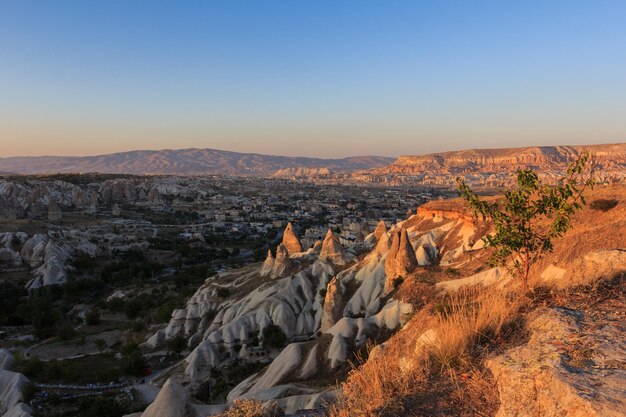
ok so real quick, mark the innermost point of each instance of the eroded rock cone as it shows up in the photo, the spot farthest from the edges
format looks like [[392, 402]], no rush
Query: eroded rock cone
[[381, 229], [332, 250], [172, 401], [281, 262], [290, 240], [332, 305], [401, 259], [268, 265], [383, 245]]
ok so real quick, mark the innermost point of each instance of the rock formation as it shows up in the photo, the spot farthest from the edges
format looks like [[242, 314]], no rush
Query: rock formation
[[401, 259], [268, 264], [332, 250], [535, 379], [282, 264], [290, 240], [381, 229], [332, 305]]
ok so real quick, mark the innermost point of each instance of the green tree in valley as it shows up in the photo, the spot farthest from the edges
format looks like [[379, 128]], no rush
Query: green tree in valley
[[527, 218]]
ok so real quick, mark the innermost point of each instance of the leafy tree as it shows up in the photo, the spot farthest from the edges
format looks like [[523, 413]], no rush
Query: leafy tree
[[274, 336], [530, 216]]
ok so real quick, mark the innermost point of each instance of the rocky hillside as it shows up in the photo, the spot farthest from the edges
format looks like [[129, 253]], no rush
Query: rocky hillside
[[297, 320], [183, 162], [494, 166]]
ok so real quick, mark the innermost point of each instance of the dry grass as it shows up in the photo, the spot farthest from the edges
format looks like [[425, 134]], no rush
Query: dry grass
[[378, 387], [468, 319], [404, 379], [251, 408]]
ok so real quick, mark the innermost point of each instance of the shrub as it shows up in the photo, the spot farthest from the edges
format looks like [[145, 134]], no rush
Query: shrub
[[529, 217], [603, 204], [92, 318], [252, 408], [176, 345], [274, 336]]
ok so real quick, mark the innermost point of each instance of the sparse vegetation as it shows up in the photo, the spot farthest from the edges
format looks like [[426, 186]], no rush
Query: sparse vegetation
[[528, 218], [274, 337], [251, 408], [603, 204]]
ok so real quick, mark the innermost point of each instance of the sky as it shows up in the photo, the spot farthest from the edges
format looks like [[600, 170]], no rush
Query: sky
[[313, 78]]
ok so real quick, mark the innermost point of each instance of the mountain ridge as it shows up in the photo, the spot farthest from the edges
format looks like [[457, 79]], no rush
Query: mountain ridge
[[188, 161]]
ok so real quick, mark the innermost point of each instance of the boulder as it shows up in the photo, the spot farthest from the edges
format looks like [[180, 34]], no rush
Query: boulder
[[540, 377]]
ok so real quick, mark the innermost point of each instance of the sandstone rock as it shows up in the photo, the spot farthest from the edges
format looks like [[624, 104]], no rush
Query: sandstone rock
[[383, 245], [536, 379], [172, 401], [290, 240], [282, 263], [422, 256], [332, 305], [381, 229], [11, 386], [19, 410], [268, 265], [588, 269], [401, 259], [332, 250]]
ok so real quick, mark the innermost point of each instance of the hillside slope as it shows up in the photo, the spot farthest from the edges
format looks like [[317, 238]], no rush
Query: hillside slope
[[183, 162]]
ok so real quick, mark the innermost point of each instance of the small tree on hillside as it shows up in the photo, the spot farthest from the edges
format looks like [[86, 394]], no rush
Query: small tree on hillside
[[529, 217]]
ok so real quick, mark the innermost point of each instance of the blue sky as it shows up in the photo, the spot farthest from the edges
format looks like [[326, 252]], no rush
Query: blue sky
[[318, 78]]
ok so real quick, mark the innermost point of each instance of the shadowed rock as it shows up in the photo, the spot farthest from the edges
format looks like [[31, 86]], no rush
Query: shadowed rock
[[332, 305], [401, 259]]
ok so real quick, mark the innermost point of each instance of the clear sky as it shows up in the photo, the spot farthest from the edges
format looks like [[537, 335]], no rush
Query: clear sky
[[316, 78]]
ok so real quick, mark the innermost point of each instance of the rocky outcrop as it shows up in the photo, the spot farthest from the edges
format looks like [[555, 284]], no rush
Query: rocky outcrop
[[563, 369], [290, 240], [282, 263], [11, 384], [332, 305], [401, 259], [381, 229], [172, 401], [268, 264], [332, 250]]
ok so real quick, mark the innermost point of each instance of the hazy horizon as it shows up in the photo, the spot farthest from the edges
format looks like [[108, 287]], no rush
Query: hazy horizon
[[323, 79], [302, 155]]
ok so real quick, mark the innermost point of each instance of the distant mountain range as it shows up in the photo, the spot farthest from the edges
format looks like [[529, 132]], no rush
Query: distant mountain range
[[183, 162], [443, 166]]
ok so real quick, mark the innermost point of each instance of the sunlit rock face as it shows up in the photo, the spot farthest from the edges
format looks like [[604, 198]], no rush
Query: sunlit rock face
[[290, 240], [381, 229], [332, 250]]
